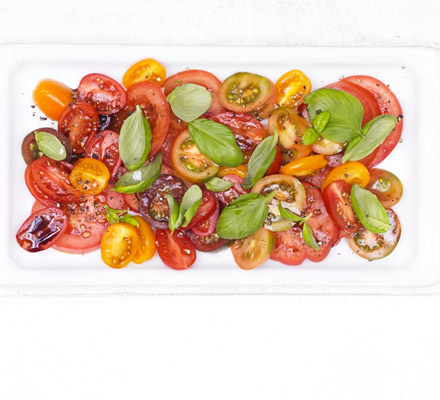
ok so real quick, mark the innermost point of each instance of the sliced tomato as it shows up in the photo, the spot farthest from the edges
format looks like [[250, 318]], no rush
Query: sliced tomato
[[78, 122], [276, 163], [104, 146], [289, 247], [327, 147], [233, 192], [132, 201], [89, 176], [305, 166], [209, 243], [239, 171], [155, 107], [103, 92], [42, 229], [351, 172], [119, 245], [206, 227], [248, 131], [147, 242], [175, 250], [266, 109], [318, 179], [386, 186], [292, 87], [207, 208], [35, 191], [113, 199], [144, 70]]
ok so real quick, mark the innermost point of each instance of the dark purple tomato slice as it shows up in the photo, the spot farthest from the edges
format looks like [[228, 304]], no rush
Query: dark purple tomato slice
[[207, 243], [233, 192]]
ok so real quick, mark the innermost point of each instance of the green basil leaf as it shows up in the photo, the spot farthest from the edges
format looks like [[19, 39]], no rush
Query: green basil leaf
[[141, 179], [321, 121], [289, 215], [190, 204], [310, 136], [51, 146], [218, 185], [174, 220], [112, 214], [375, 132], [352, 143], [135, 140], [216, 141], [129, 219], [369, 210], [189, 101], [261, 159], [308, 237], [346, 113]]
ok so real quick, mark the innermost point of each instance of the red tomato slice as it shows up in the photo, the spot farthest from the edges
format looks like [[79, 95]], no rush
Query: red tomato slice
[[289, 247], [388, 104], [35, 191], [207, 207], [132, 202], [113, 199], [104, 146], [209, 243], [103, 92], [155, 108], [207, 227], [37, 206], [175, 250], [198, 77], [233, 192], [276, 163], [78, 122]]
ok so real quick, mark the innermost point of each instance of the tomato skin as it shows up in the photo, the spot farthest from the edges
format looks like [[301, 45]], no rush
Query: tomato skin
[[276, 163], [105, 94], [132, 202], [147, 242], [386, 186], [144, 70], [239, 171], [42, 229], [265, 110], [89, 176], [337, 202], [351, 172], [327, 147], [206, 227], [35, 191], [207, 208], [52, 98], [111, 198], [305, 166], [292, 87], [289, 247], [175, 250], [233, 192], [209, 243]]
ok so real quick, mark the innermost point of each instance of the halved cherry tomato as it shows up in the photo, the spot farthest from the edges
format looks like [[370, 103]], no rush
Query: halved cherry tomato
[[338, 204], [209, 243], [244, 92], [119, 245], [327, 147], [35, 191], [89, 176], [207, 227], [147, 242], [104, 146], [155, 107], [265, 110], [103, 92], [52, 179], [333, 161], [79, 121], [175, 250], [227, 196], [253, 251], [52, 98], [132, 201], [305, 166], [374, 246], [207, 207], [42, 229], [386, 186], [292, 87], [239, 171], [248, 131], [276, 163], [144, 70], [189, 162], [351, 172]]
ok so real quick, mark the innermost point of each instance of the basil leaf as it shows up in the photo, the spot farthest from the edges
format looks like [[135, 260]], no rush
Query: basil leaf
[[369, 210], [174, 220], [321, 121], [310, 137], [346, 113], [129, 219], [308, 237], [112, 215], [216, 141], [189, 101], [190, 204], [51, 146], [375, 132], [135, 140], [218, 185], [261, 159], [141, 179], [352, 143], [289, 215]]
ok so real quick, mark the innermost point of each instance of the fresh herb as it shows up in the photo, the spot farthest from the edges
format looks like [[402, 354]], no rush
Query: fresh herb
[[369, 210], [375, 132], [135, 140], [244, 216], [141, 179], [310, 136], [321, 121], [308, 237], [189, 101], [129, 219], [51, 146], [289, 215], [173, 221], [216, 141], [112, 214], [261, 159], [218, 185]]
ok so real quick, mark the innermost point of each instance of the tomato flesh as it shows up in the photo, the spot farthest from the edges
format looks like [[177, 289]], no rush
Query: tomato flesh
[[206, 226], [89, 176], [292, 87], [175, 250], [213, 242], [207, 208], [229, 195], [52, 98], [119, 245], [147, 242], [144, 70], [386, 186]]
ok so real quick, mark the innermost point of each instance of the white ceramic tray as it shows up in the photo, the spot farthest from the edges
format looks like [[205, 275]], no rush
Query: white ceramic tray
[[414, 267]]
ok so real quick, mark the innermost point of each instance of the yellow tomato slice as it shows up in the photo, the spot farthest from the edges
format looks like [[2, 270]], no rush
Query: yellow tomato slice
[[52, 98], [292, 87], [239, 171], [144, 70], [305, 166], [89, 176], [147, 242], [351, 172]]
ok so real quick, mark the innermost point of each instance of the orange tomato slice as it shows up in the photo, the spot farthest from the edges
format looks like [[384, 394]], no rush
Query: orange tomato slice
[[292, 87], [145, 70], [89, 176], [351, 172], [239, 171], [305, 166], [147, 242]]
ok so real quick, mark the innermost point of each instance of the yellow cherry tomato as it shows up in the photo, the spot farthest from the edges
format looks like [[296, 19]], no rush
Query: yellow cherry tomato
[[89, 176], [351, 172], [52, 98], [144, 70], [239, 171], [292, 87], [147, 242], [305, 166]]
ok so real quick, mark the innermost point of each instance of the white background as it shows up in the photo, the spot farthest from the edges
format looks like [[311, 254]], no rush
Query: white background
[[225, 347]]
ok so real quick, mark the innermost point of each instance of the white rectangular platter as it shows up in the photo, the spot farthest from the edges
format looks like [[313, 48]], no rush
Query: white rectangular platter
[[414, 267]]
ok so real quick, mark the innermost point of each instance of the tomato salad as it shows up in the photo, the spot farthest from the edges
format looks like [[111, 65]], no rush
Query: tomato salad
[[189, 162]]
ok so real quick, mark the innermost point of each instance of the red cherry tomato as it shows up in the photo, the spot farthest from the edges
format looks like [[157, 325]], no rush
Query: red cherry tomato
[[35, 191], [175, 250], [207, 207], [207, 226], [209, 243], [132, 202]]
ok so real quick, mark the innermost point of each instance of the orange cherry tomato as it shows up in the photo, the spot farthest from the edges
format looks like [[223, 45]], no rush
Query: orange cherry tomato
[[239, 171], [147, 242], [52, 98], [144, 70], [119, 245], [89, 176], [305, 166], [292, 87], [351, 172]]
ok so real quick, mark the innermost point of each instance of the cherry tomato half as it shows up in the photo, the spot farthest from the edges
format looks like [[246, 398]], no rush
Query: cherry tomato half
[[207, 226], [305, 166], [175, 250], [144, 70], [147, 242], [89, 176], [351, 172], [52, 98], [207, 207], [327, 147], [386, 186], [265, 110], [119, 245], [292, 87], [209, 243]]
